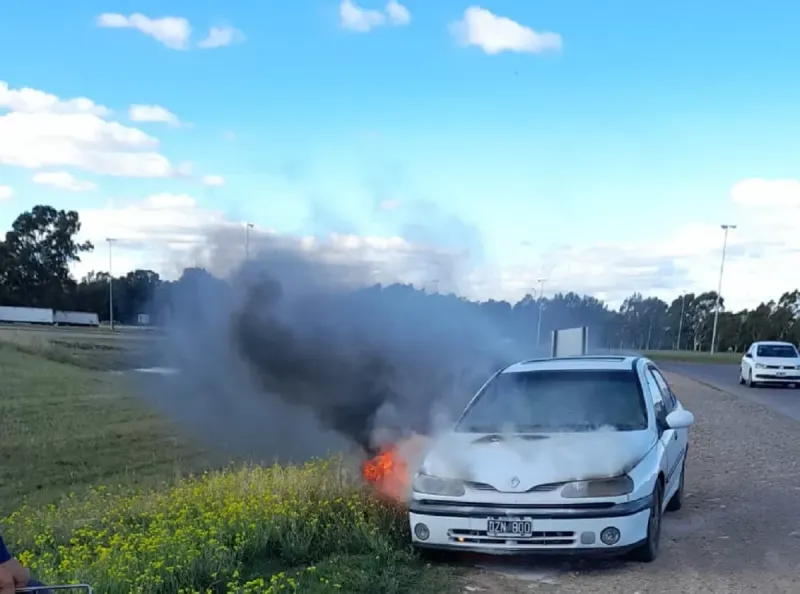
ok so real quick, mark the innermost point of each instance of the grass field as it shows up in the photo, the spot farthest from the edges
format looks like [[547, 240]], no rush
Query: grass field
[[98, 489], [90, 348]]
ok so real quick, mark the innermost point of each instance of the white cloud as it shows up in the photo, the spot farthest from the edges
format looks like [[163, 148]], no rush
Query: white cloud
[[152, 113], [172, 32], [495, 34], [83, 141], [63, 181], [389, 204], [27, 100], [221, 37], [167, 232], [6, 192], [767, 192], [761, 251], [362, 20], [213, 180], [44, 131], [397, 13], [359, 19]]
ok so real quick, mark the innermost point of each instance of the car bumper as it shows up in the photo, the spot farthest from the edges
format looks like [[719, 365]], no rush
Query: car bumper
[[772, 378], [556, 530]]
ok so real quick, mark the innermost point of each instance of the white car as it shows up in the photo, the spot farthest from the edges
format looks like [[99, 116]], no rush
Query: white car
[[770, 362], [574, 454]]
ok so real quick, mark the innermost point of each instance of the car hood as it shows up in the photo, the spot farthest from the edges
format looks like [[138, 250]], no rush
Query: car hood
[[778, 361], [517, 463]]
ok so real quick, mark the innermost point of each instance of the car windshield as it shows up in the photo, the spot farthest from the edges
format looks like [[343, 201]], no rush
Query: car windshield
[[777, 350], [556, 401]]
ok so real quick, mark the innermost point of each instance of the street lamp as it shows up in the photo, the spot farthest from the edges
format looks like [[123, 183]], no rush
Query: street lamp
[[725, 229], [541, 282], [680, 322], [247, 228], [110, 240]]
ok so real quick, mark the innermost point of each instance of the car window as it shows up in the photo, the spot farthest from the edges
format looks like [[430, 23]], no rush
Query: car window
[[656, 394], [669, 398], [554, 401], [777, 350]]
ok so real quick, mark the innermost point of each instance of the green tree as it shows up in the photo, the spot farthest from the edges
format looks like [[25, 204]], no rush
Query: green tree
[[36, 255]]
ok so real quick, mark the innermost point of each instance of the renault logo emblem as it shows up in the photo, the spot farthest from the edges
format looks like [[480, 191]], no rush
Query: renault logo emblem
[[515, 482]]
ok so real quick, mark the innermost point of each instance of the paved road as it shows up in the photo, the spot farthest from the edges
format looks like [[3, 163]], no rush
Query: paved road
[[739, 530], [726, 377]]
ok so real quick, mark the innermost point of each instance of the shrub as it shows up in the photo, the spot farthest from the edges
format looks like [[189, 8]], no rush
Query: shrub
[[254, 529]]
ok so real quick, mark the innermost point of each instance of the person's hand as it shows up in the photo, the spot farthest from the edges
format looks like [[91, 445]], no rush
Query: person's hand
[[7, 585], [18, 572]]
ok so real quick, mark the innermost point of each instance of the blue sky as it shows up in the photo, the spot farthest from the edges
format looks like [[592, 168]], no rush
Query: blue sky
[[644, 120]]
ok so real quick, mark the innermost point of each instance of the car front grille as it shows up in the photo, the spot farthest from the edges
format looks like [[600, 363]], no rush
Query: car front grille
[[538, 539], [537, 489]]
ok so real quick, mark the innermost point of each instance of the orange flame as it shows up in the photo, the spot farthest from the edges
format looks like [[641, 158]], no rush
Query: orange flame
[[388, 473], [392, 470]]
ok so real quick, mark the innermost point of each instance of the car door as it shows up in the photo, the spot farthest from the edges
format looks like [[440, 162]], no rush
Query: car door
[[665, 436], [675, 440], [747, 362]]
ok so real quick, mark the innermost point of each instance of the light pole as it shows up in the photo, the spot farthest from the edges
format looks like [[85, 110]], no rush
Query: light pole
[[247, 228], [110, 240], [680, 322], [541, 282], [725, 229]]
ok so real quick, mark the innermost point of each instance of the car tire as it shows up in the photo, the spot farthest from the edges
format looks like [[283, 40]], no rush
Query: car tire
[[741, 377], [750, 383], [675, 502], [647, 552]]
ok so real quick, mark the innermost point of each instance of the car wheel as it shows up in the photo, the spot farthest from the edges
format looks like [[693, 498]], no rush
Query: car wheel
[[750, 382], [676, 501], [741, 377], [648, 550]]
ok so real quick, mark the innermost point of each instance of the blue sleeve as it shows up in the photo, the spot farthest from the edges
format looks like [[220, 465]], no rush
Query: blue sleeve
[[4, 554]]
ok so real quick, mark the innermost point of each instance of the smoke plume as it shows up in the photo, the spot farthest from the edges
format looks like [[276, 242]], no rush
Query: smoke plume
[[298, 353]]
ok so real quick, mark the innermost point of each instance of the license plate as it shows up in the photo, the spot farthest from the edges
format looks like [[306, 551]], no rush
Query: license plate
[[781, 373], [510, 527]]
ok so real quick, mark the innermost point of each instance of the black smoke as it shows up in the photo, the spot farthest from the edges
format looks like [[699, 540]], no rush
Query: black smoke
[[293, 356]]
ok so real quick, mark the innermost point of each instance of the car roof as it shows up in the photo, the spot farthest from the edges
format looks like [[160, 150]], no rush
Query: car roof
[[772, 343], [583, 362]]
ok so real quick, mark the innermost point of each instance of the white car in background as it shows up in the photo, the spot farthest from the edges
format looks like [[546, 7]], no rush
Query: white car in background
[[564, 455], [771, 363]]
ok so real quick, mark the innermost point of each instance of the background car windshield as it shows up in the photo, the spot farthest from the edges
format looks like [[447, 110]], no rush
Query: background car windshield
[[776, 350], [556, 401]]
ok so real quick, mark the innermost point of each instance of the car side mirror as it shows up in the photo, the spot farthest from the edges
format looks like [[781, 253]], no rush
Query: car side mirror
[[748, 356], [679, 419]]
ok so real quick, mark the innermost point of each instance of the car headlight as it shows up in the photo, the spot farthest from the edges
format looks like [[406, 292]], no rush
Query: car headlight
[[612, 487], [433, 485], [760, 366]]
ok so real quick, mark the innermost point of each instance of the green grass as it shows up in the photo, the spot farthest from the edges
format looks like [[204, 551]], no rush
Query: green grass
[[104, 490], [694, 356], [89, 348]]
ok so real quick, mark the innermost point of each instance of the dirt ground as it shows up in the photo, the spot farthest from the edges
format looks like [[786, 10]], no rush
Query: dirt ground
[[739, 529]]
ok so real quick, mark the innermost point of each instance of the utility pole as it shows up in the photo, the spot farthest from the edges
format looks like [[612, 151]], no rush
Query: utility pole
[[110, 241], [541, 282], [725, 229], [247, 228], [680, 322]]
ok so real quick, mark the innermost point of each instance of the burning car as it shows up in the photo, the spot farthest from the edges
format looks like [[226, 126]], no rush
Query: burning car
[[575, 454]]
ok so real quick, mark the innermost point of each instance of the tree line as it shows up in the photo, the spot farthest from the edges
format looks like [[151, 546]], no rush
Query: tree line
[[36, 254]]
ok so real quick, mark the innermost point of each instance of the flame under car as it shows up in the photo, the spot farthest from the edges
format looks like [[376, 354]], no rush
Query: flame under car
[[565, 455]]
